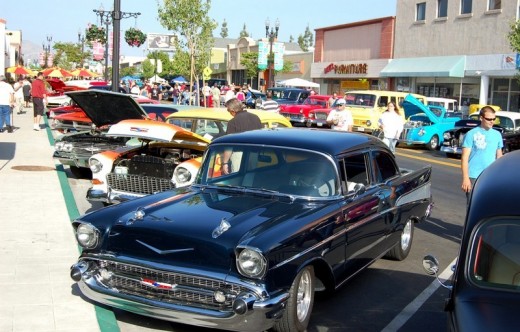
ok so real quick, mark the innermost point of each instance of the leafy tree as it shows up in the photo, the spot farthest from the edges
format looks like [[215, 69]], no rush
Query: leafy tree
[[181, 63], [514, 36], [69, 55], [224, 30], [291, 39], [148, 68], [128, 71], [244, 32], [250, 61], [190, 20], [306, 40], [165, 62]]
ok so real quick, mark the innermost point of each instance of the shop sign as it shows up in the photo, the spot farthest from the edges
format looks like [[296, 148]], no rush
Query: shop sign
[[353, 68]]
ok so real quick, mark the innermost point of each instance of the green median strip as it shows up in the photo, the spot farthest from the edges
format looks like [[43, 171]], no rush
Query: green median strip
[[106, 319]]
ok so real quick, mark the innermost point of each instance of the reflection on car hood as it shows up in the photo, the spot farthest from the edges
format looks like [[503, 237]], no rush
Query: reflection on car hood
[[413, 106], [106, 108], [154, 131], [180, 228]]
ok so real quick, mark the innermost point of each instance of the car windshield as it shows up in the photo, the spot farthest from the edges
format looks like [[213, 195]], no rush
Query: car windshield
[[494, 254], [290, 94], [360, 99], [208, 128], [315, 101], [281, 170]]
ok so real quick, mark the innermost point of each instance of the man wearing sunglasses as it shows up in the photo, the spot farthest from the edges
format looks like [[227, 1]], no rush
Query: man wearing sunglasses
[[481, 147]]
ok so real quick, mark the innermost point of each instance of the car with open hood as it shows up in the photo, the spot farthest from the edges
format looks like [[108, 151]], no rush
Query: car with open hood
[[183, 160], [299, 210], [485, 285], [103, 108], [425, 125]]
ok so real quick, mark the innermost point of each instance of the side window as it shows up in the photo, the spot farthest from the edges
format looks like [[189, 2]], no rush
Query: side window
[[494, 4], [465, 6], [383, 101], [353, 170], [421, 11], [384, 166], [442, 8]]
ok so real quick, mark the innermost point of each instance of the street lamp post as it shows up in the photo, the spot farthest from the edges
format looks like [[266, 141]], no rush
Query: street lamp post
[[47, 50], [81, 41], [272, 36], [108, 17]]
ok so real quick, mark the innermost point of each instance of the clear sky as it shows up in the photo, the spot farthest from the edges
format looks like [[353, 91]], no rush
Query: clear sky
[[63, 18]]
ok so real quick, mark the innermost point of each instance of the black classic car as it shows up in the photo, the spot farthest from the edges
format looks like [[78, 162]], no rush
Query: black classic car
[[485, 290], [301, 210], [507, 123]]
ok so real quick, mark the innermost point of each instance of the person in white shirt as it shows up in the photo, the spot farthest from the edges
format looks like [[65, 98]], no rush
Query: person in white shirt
[[392, 123], [18, 95], [340, 118]]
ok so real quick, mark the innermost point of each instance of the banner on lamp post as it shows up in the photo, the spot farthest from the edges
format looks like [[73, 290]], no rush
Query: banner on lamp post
[[278, 50], [263, 52]]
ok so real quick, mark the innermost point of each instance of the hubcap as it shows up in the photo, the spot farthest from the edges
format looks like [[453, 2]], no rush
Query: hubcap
[[406, 236], [303, 297]]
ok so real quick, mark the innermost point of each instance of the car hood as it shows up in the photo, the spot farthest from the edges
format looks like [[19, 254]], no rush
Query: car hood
[[56, 84], [413, 106], [107, 108], [194, 228], [155, 131]]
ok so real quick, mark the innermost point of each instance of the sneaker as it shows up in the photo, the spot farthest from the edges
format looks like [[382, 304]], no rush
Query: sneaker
[[9, 129], [36, 127]]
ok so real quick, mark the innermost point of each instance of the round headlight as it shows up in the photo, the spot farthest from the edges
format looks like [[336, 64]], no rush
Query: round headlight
[[369, 123], [182, 175], [68, 147], [446, 136], [422, 132], [251, 263], [87, 236], [95, 165], [58, 146]]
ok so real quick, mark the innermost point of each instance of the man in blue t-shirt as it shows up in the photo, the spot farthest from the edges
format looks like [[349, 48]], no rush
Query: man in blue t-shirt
[[481, 147]]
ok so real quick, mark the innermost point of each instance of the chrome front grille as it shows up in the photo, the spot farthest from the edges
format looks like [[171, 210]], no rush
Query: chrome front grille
[[138, 184], [404, 134], [320, 116], [169, 287]]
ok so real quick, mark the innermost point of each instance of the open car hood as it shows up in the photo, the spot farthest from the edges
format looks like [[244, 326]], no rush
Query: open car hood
[[56, 84], [107, 108], [155, 131], [413, 106]]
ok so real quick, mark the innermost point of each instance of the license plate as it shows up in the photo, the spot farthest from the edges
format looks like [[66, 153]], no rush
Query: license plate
[[319, 124], [361, 129]]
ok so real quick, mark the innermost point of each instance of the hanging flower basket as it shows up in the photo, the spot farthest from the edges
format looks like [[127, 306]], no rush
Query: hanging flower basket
[[135, 37], [96, 34]]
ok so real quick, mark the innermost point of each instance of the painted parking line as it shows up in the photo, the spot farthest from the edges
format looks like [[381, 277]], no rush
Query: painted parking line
[[445, 163], [413, 306]]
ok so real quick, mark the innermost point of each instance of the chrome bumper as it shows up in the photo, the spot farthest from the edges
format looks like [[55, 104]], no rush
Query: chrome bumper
[[70, 161], [451, 149], [261, 315]]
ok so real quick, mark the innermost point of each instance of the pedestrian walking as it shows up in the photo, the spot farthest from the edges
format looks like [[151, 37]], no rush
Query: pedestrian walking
[[39, 97], [18, 95], [481, 147], [215, 93], [26, 91], [270, 105], [242, 121], [340, 118], [392, 124], [6, 104]]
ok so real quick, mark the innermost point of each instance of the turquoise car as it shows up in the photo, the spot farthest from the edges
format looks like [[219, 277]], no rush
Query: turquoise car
[[425, 125]]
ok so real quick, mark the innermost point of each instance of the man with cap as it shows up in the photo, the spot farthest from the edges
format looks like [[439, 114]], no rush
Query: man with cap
[[6, 103], [340, 118]]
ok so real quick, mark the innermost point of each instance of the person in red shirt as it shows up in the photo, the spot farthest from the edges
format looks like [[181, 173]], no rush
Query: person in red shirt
[[39, 97]]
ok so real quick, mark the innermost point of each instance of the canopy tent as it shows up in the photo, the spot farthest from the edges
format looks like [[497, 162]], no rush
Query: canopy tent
[[299, 82], [179, 80], [157, 79], [440, 66]]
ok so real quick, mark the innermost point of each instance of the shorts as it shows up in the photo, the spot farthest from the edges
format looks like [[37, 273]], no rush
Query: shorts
[[27, 98], [38, 106]]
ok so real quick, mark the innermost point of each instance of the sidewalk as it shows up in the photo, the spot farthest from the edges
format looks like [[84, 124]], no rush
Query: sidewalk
[[37, 245]]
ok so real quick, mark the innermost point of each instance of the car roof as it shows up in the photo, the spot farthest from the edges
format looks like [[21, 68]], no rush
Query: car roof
[[512, 115], [332, 142], [497, 190], [223, 114]]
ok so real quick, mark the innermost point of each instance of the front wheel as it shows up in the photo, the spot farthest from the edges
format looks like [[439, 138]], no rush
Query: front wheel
[[299, 305], [401, 250], [433, 144]]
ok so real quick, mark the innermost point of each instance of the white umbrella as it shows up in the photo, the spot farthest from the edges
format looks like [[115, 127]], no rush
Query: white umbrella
[[299, 82]]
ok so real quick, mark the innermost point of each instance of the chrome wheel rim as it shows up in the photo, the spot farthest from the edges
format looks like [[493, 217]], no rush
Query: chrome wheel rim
[[303, 296], [406, 236]]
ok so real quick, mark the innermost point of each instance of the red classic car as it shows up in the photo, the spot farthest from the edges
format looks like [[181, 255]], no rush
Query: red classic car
[[299, 114], [318, 117]]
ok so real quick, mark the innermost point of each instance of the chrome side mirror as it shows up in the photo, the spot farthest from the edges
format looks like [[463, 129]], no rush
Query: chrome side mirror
[[431, 267]]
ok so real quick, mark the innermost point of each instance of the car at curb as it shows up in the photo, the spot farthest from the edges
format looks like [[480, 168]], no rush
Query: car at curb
[[299, 210], [484, 288], [300, 114]]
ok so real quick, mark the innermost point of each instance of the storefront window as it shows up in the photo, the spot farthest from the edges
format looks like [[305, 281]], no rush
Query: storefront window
[[506, 94]]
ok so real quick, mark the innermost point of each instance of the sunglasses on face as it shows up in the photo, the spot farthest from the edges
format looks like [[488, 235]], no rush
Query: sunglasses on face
[[488, 119]]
